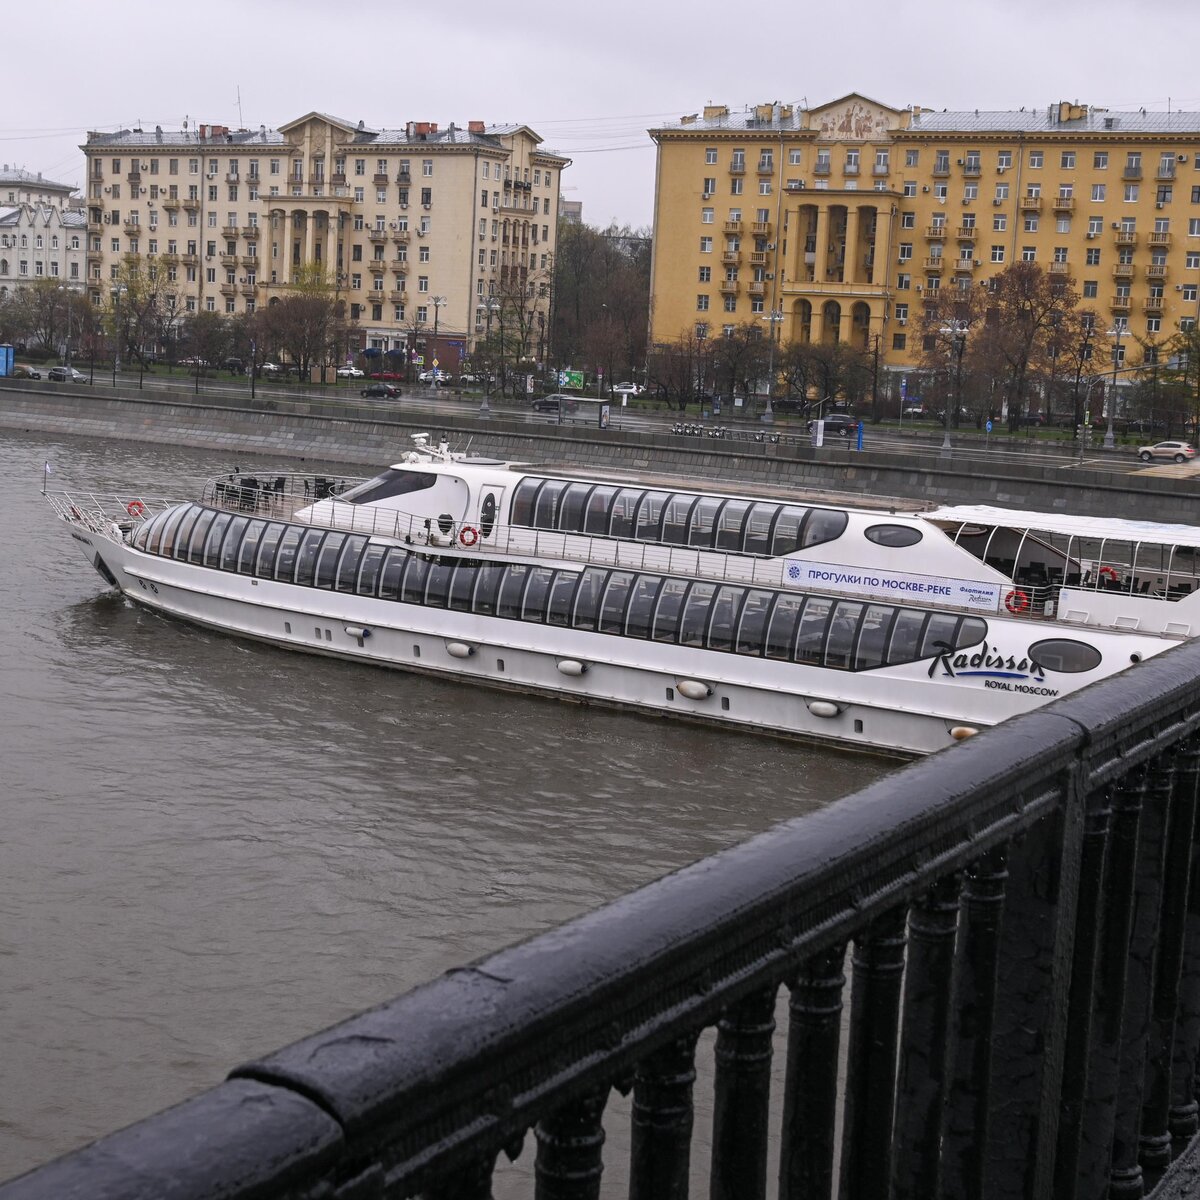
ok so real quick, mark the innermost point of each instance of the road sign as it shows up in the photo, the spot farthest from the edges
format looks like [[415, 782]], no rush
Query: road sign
[[435, 364], [989, 426]]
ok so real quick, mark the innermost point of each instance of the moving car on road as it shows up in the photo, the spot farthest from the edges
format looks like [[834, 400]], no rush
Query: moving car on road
[[1176, 451], [66, 375], [380, 391], [628, 389], [555, 404], [349, 373], [836, 425]]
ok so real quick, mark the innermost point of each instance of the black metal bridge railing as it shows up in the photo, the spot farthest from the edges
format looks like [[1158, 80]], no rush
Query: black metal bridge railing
[[1021, 916]]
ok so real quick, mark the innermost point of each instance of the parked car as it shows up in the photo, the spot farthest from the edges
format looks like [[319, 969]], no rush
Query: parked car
[[385, 375], [837, 425], [628, 389], [66, 375], [273, 369], [437, 377], [349, 373], [555, 404], [234, 365], [1176, 451], [26, 373], [380, 391]]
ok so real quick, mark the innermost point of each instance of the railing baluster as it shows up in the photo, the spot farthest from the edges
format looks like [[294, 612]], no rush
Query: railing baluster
[[1080, 1005], [924, 1048], [810, 1090], [1184, 1115], [569, 1151], [1155, 1134], [1115, 921], [966, 1121], [740, 1109], [871, 1070], [662, 1123], [1127, 1181]]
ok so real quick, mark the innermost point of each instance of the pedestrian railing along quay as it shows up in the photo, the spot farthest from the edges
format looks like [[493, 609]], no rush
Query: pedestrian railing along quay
[[1019, 916]]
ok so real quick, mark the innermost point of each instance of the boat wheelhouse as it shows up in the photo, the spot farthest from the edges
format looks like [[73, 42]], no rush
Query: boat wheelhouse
[[875, 628]]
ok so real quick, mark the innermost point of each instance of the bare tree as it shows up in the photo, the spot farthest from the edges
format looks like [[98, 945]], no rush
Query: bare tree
[[681, 372], [303, 324]]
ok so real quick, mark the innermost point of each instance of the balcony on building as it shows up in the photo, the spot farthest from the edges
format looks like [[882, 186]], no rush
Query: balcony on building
[[396, 296], [134, 176], [1165, 172], [731, 258], [941, 168], [934, 264], [1120, 304], [192, 202], [133, 228], [1064, 203], [403, 177], [229, 260], [380, 178], [967, 233], [936, 231], [1153, 304], [736, 168], [1125, 237], [758, 258], [850, 168], [766, 168], [1123, 270], [248, 290], [1131, 171], [821, 166], [756, 288], [94, 226], [377, 235], [1156, 271], [1031, 204], [400, 269], [1060, 268], [761, 228], [881, 170], [972, 168], [1159, 239], [338, 177], [400, 236], [964, 265], [249, 260], [733, 227], [729, 287], [230, 232], [189, 260], [229, 289], [250, 232]]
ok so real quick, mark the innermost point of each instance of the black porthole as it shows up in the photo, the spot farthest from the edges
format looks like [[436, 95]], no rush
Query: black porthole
[[893, 535], [1066, 655]]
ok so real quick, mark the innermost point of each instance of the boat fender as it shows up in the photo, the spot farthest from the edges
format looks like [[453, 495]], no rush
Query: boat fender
[[960, 733], [1016, 601], [459, 650], [468, 535], [693, 689], [572, 667], [823, 708], [135, 508], [358, 631]]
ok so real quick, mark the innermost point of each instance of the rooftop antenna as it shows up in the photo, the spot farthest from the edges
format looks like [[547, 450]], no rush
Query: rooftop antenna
[[241, 123]]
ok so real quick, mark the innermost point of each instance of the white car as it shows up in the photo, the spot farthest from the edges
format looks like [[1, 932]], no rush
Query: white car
[[349, 373], [437, 376], [628, 389]]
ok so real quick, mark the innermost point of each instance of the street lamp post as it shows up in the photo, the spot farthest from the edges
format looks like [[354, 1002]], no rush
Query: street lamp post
[[435, 358], [773, 318], [958, 343], [490, 305], [116, 297], [66, 291], [1118, 333]]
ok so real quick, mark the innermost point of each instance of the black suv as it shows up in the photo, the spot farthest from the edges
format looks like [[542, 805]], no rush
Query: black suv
[[837, 425], [555, 404]]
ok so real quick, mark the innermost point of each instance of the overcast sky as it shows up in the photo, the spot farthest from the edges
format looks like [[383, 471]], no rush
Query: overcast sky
[[590, 78]]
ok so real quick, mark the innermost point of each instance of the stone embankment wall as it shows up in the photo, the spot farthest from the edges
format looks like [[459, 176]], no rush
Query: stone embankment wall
[[335, 431]]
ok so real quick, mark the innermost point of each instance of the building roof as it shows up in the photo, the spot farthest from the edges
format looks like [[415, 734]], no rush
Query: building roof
[[1046, 120], [10, 176]]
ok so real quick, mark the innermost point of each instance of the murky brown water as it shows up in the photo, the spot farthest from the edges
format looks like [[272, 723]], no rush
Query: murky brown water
[[209, 848]]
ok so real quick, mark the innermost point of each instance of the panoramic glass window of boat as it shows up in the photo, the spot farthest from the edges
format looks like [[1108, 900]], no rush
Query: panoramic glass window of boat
[[839, 634], [724, 523], [392, 482]]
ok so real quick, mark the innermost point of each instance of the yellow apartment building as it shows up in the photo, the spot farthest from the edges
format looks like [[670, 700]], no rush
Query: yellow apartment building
[[837, 222], [415, 227]]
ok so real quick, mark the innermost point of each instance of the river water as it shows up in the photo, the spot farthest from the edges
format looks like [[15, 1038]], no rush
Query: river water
[[210, 848]]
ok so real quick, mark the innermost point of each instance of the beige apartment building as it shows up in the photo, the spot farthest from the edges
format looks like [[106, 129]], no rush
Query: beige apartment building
[[416, 228], [838, 222]]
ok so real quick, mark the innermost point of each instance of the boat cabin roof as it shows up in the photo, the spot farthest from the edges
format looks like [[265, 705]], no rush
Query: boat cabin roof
[[1111, 529]]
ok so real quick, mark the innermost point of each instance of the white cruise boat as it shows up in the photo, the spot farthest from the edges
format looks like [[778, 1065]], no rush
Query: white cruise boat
[[883, 630]]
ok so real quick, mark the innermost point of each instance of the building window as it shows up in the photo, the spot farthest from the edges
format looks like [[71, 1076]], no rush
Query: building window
[[705, 275], [899, 341], [1036, 158], [906, 251], [903, 282], [908, 220], [997, 254], [1090, 289], [1031, 224], [706, 216], [1189, 293], [1004, 159], [970, 192], [1192, 260], [1002, 191], [706, 244], [1028, 254], [702, 302], [1100, 160], [1068, 160], [1092, 257], [427, 166], [1131, 193], [999, 223], [794, 157], [1099, 191], [910, 187], [912, 158], [710, 155]]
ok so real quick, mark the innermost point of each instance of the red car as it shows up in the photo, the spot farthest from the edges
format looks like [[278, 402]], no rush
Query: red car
[[393, 376]]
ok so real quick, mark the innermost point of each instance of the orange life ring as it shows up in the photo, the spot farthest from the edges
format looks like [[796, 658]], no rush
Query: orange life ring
[[1016, 601], [135, 508], [1109, 573], [468, 535]]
